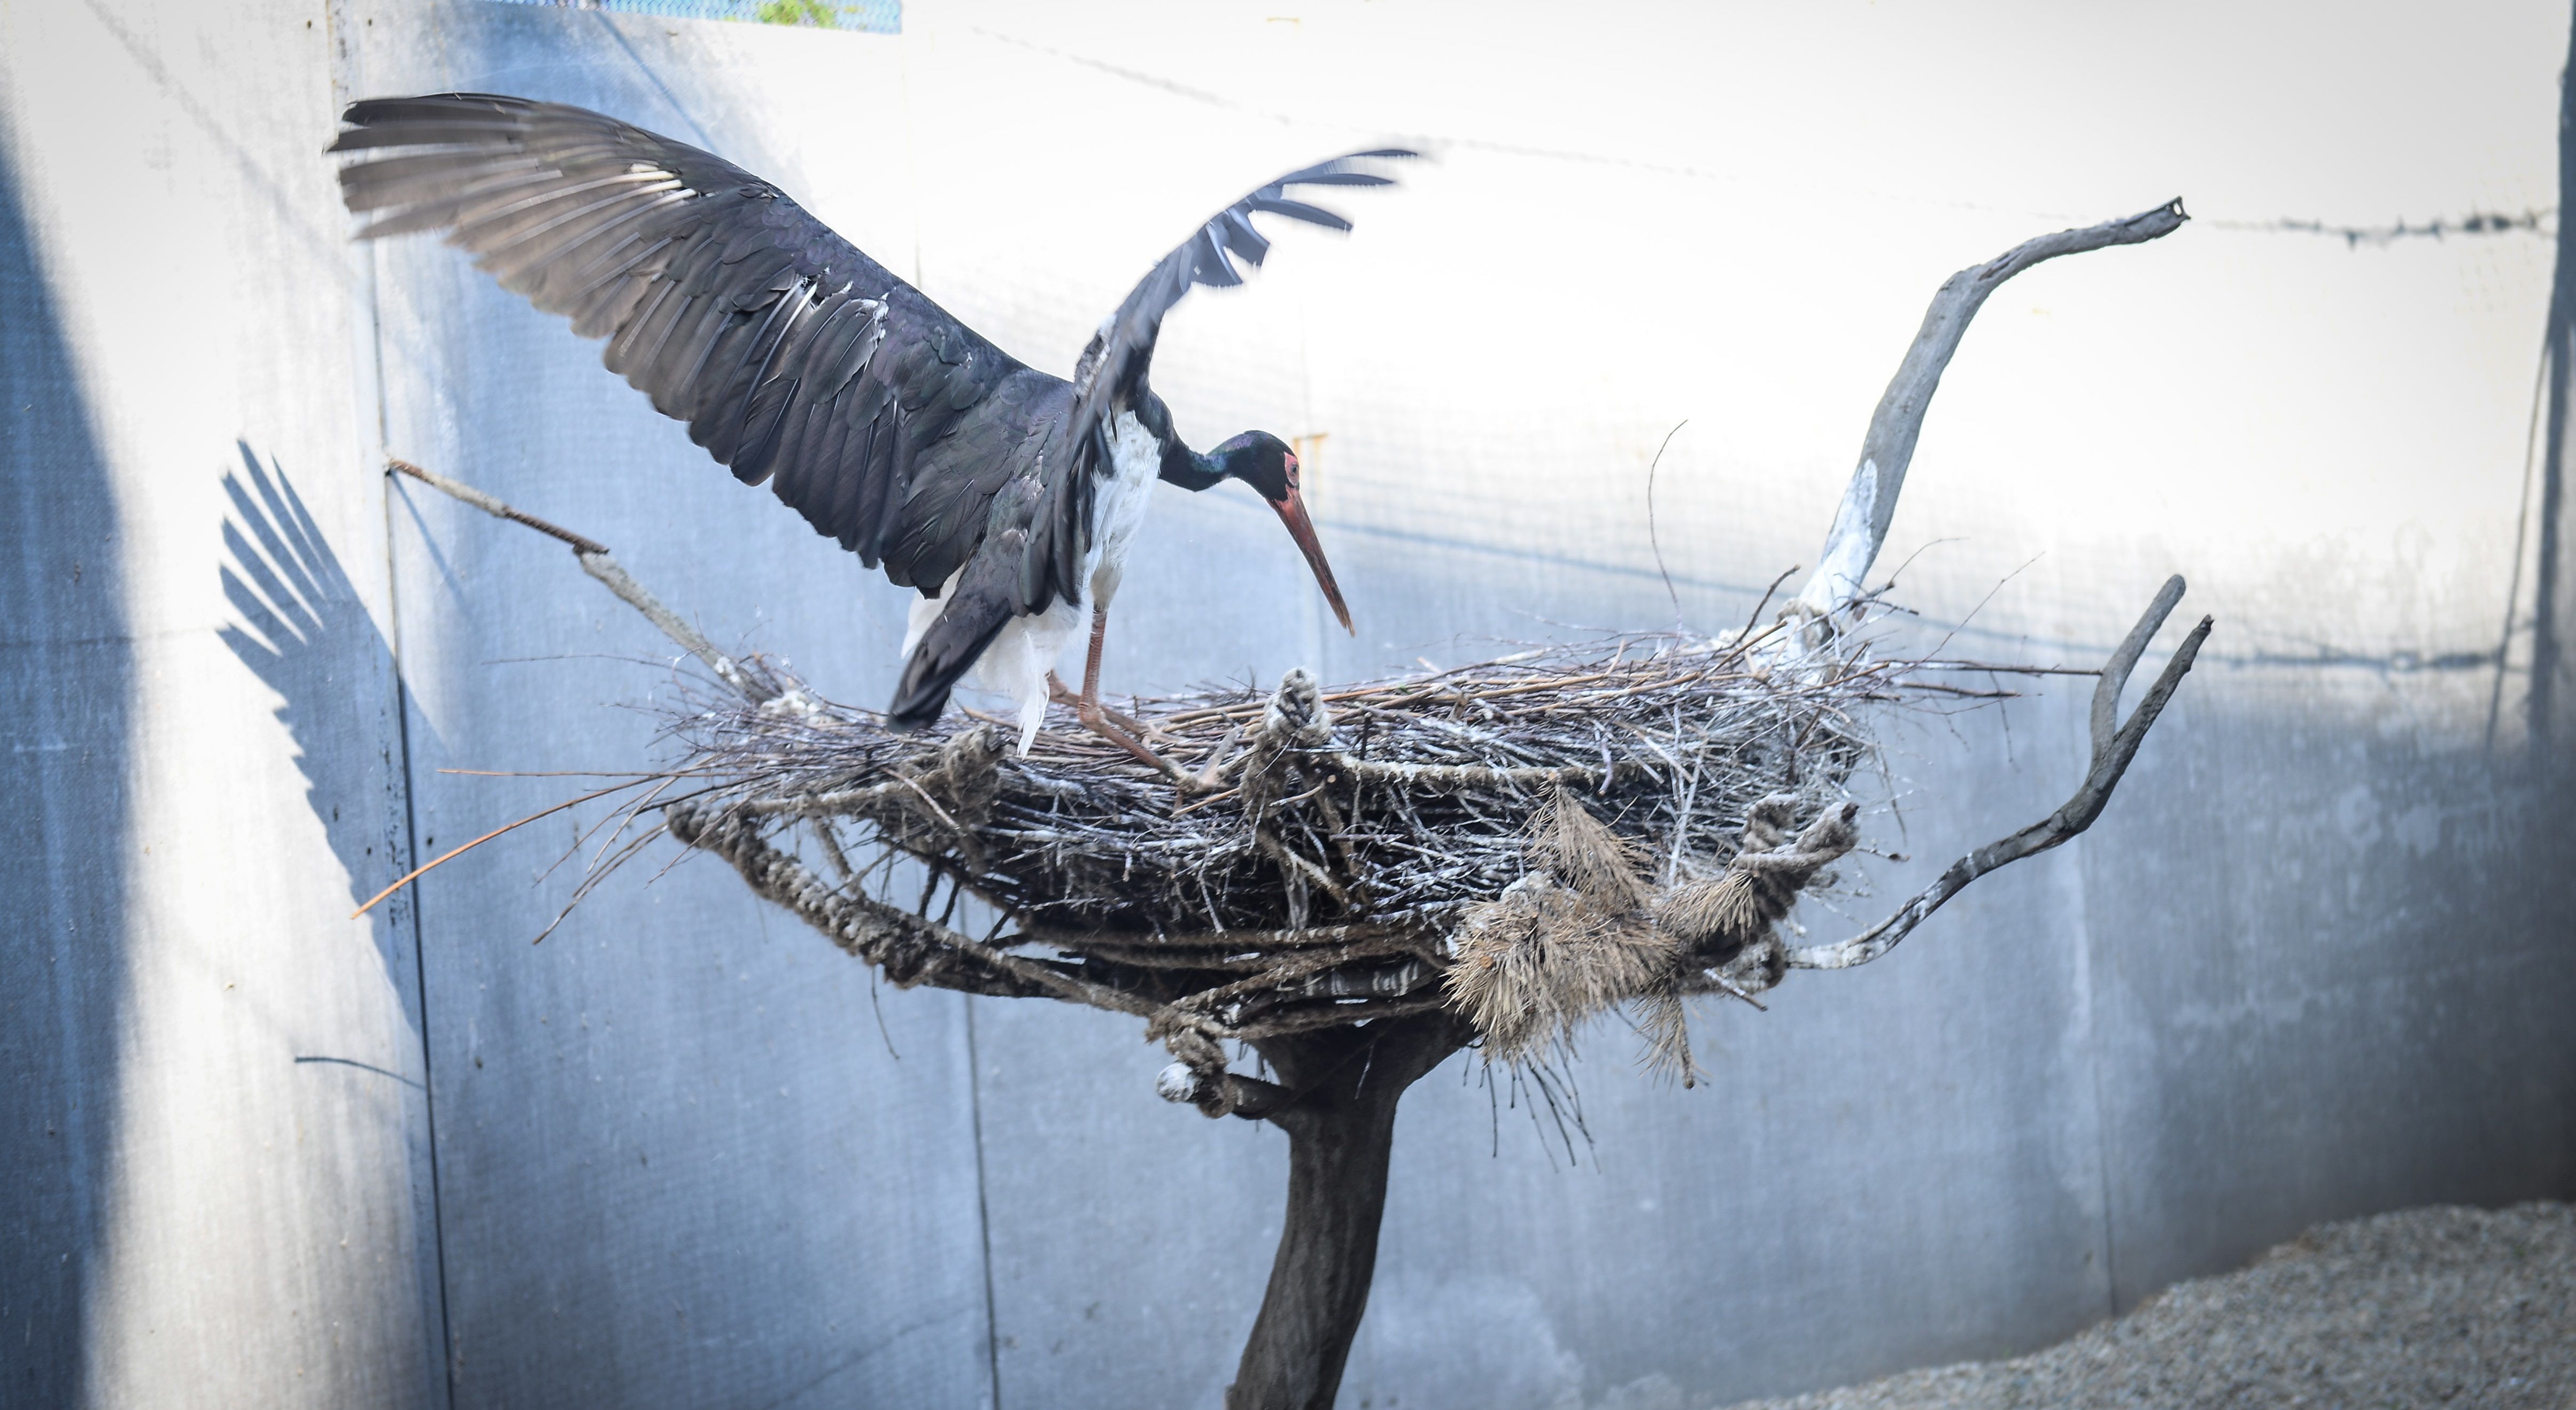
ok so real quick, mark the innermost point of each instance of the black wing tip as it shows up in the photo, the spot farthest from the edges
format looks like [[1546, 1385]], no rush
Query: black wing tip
[[954, 643], [1336, 171], [371, 110], [913, 716], [1393, 154], [430, 119], [1345, 170], [1388, 154], [922, 696]]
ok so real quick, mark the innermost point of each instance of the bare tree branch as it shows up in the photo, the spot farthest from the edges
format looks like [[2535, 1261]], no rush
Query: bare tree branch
[[1222, 1093], [753, 684], [908, 948], [2112, 751], [1869, 504]]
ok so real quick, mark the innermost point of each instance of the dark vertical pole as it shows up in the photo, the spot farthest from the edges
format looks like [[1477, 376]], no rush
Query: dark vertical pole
[[1319, 1282], [1341, 1134], [2558, 353]]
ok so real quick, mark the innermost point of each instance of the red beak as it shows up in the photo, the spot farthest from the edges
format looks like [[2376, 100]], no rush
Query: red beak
[[1292, 512]]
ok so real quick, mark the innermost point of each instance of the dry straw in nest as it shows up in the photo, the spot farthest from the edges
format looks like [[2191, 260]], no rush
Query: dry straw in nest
[[1532, 841], [1584, 932]]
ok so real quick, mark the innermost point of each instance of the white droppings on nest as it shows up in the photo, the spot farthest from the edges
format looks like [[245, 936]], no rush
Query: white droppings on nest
[[1319, 861], [1314, 867], [1395, 803]]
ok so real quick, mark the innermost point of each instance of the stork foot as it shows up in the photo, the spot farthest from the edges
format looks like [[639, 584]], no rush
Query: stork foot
[[1096, 718], [1211, 775], [1118, 729], [1064, 694]]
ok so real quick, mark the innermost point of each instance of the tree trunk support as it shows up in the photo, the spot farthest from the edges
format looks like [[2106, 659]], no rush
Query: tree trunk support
[[1341, 1130], [1338, 1088]]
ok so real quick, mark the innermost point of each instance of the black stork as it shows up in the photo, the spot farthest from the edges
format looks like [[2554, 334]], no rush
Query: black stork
[[1002, 493]]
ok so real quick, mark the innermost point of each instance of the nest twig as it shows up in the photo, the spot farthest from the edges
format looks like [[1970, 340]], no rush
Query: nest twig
[[1530, 840]]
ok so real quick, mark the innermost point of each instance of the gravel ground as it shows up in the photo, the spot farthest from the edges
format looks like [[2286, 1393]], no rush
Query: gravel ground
[[2428, 1307]]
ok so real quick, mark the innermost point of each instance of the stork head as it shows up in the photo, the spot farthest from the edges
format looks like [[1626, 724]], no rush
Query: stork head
[[1265, 462]]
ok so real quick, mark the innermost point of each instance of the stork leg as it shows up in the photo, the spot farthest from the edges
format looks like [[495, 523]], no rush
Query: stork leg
[[1098, 717]]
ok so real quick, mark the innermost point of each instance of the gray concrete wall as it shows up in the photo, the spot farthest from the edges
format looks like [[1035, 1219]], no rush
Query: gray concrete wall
[[2313, 962], [219, 1125]]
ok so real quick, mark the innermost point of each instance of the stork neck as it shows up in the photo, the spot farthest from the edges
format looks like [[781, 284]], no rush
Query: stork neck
[[1190, 470]]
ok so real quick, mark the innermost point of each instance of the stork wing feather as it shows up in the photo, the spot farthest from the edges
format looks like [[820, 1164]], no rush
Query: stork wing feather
[[793, 357], [1111, 375]]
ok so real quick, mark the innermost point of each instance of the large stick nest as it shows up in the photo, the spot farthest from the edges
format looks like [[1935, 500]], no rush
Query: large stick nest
[[1527, 841], [1522, 843]]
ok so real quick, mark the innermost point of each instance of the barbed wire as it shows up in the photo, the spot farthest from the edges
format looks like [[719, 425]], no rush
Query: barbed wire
[[2538, 222]]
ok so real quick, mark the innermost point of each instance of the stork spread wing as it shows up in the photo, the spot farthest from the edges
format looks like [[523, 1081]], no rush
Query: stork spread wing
[[793, 356], [1111, 375]]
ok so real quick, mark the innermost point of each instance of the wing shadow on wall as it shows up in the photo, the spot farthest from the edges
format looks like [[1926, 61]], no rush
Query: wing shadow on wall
[[308, 636]]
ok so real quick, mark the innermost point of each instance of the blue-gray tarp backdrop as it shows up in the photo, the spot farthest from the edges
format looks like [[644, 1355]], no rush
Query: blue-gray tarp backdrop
[[2314, 962]]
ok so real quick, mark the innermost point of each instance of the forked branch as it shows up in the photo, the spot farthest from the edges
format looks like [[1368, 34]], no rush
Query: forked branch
[[2114, 745], [1869, 504]]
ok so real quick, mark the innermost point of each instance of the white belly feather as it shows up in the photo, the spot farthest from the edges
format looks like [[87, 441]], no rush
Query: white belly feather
[[1016, 664]]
